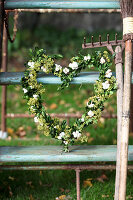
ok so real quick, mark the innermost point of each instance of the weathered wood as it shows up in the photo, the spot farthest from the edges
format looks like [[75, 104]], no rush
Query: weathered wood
[[64, 4], [1, 28], [4, 88], [61, 166], [131, 106], [125, 120], [119, 78], [54, 154]]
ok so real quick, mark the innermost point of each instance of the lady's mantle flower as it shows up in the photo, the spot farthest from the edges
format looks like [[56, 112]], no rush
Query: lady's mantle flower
[[43, 69], [87, 57], [25, 90], [105, 85], [76, 134], [102, 60], [90, 113], [62, 134], [58, 67], [35, 96], [90, 105], [73, 65], [66, 70], [36, 119], [108, 73], [31, 64]]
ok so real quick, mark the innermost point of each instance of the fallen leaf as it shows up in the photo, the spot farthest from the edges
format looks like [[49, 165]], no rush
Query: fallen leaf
[[90, 140], [53, 106], [105, 196], [102, 178], [21, 132], [87, 183], [62, 197], [31, 197], [11, 178], [10, 191], [10, 131]]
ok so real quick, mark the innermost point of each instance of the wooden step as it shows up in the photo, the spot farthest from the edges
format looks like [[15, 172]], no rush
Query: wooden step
[[65, 4], [54, 154]]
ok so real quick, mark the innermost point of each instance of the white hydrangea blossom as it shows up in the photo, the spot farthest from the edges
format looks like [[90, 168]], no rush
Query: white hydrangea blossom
[[32, 107], [108, 73], [58, 67], [102, 60], [66, 70], [105, 85], [25, 90], [43, 69], [65, 142], [90, 105], [88, 57], [62, 134], [30, 75], [73, 65], [82, 119], [31, 64], [35, 96], [36, 119], [76, 134], [90, 113]]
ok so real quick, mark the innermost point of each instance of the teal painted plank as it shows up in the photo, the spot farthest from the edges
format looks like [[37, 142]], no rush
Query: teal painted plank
[[65, 4], [13, 78], [53, 154]]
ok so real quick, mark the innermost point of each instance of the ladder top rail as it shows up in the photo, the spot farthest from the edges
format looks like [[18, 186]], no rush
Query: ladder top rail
[[64, 4]]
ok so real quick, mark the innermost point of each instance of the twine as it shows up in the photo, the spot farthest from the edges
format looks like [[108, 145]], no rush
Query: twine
[[127, 25]]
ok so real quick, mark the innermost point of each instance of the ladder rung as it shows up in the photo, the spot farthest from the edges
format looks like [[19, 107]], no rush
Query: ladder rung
[[66, 4], [14, 78]]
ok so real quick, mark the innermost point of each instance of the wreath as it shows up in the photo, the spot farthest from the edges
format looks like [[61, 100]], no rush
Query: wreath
[[103, 89]]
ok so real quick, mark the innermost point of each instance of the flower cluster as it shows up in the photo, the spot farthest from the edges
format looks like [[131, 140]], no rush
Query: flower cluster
[[103, 89]]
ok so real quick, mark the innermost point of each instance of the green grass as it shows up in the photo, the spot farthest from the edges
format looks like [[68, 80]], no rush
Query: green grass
[[47, 185]]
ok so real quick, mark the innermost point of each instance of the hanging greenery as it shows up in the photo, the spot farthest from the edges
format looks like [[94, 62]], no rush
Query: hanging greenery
[[103, 89]]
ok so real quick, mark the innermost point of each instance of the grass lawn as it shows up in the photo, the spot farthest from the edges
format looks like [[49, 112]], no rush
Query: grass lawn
[[48, 185]]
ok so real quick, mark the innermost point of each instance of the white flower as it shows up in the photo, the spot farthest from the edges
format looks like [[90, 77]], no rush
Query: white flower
[[31, 87], [62, 134], [32, 107], [88, 57], [66, 70], [90, 105], [82, 119], [54, 126], [57, 67], [25, 90], [108, 73], [105, 85], [31, 64], [73, 65], [65, 142], [36, 119], [90, 113], [35, 96], [102, 60], [31, 75], [43, 69], [76, 134]]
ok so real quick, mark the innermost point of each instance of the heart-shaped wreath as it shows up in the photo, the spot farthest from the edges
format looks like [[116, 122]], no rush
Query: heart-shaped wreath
[[103, 89]]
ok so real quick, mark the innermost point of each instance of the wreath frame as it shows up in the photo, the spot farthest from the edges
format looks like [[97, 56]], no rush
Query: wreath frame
[[103, 89]]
